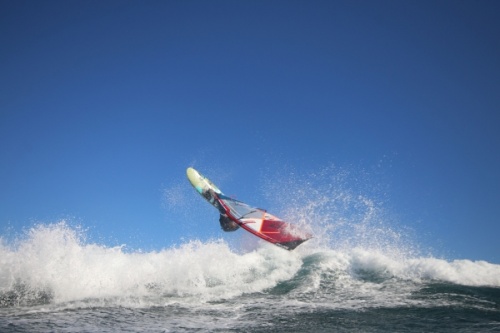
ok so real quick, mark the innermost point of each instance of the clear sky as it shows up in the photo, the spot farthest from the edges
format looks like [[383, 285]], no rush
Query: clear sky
[[103, 104]]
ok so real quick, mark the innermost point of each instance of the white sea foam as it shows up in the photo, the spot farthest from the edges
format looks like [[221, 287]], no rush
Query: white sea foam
[[55, 259]]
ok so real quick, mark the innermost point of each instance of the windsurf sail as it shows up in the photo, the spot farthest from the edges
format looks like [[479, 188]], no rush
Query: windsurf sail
[[262, 224], [254, 220]]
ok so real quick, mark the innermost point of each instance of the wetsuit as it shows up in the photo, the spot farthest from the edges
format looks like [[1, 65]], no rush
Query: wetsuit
[[225, 222]]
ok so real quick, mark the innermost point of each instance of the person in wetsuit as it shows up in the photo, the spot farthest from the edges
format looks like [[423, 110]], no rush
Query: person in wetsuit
[[225, 222]]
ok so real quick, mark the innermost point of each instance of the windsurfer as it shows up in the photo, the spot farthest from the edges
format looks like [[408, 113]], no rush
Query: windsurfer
[[227, 224]]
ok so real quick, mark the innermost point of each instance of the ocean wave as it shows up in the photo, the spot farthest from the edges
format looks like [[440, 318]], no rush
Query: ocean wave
[[55, 264]]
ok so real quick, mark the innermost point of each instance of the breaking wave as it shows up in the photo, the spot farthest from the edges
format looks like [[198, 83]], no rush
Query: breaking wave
[[54, 264], [359, 258]]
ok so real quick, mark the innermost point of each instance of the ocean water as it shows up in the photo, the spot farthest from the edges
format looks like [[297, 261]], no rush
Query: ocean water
[[362, 272], [53, 281]]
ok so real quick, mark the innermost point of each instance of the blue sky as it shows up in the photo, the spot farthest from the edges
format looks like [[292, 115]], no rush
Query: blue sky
[[103, 104]]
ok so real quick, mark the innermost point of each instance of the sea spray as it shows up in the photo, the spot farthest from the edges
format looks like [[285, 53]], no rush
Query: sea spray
[[343, 209]]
